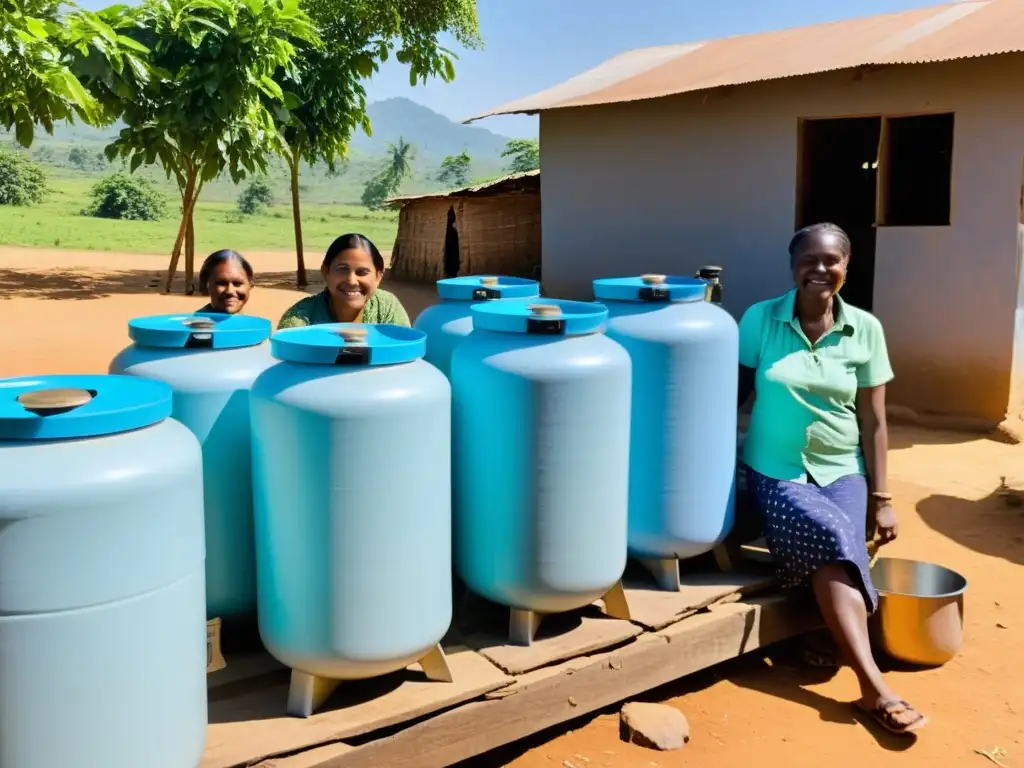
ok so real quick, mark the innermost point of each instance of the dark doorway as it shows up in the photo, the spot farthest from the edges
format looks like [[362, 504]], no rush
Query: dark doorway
[[451, 246], [837, 183]]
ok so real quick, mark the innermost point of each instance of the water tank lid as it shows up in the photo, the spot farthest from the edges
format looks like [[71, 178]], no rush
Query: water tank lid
[[547, 317], [67, 407], [349, 344], [202, 330], [650, 288], [487, 287]]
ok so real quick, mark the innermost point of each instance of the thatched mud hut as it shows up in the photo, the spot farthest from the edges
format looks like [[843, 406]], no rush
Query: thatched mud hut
[[491, 228]]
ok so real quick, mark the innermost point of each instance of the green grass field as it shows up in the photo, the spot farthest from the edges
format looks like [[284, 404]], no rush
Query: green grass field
[[58, 223]]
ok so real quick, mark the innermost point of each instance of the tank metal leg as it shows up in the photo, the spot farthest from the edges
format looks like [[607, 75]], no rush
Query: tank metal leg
[[435, 665], [307, 693], [665, 571], [615, 604], [522, 626]]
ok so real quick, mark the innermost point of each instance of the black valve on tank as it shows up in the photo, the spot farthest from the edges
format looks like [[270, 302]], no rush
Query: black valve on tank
[[713, 277]]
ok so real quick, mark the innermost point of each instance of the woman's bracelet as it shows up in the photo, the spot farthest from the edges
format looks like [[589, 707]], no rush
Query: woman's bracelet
[[881, 496]]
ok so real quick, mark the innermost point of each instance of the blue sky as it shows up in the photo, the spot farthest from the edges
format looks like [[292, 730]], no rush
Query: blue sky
[[530, 45]]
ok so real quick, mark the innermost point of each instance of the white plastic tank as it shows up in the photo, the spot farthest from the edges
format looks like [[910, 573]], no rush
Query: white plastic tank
[[352, 482], [682, 450], [541, 449], [450, 321], [102, 610], [210, 360]]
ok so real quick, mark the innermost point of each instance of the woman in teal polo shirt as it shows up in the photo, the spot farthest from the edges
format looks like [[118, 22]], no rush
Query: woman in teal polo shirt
[[815, 451]]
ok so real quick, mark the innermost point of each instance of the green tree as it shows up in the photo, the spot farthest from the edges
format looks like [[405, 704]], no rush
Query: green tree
[[387, 181], [128, 198], [22, 182], [80, 159], [454, 170], [523, 154], [210, 108], [48, 62], [324, 104], [376, 192], [326, 101], [255, 197], [371, 30]]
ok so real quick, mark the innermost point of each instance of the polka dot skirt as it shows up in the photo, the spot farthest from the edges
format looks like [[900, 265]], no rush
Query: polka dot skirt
[[808, 526]]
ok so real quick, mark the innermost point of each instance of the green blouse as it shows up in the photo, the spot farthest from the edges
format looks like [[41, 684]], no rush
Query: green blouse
[[382, 307], [804, 420]]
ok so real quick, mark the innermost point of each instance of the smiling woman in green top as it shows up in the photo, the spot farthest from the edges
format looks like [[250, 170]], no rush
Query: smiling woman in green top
[[815, 451], [352, 270]]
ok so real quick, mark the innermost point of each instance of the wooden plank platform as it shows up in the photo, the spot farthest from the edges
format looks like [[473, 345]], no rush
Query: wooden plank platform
[[253, 726], [655, 609], [561, 636], [583, 662]]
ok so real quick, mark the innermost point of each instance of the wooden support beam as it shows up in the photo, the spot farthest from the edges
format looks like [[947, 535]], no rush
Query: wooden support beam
[[553, 695]]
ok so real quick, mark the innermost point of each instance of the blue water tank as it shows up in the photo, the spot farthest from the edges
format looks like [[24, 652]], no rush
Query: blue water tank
[[210, 361], [541, 451], [685, 354], [447, 323], [102, 614], [352, 482]]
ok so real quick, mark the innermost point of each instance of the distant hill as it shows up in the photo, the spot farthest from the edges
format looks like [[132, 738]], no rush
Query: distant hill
[[434, 135]]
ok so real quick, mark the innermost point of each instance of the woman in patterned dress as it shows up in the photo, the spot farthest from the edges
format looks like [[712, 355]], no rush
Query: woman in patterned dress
[[815, 451]]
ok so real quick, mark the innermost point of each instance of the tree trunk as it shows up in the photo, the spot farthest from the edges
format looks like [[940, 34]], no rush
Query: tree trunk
[[190, 254], [300, 259], [186, 197]]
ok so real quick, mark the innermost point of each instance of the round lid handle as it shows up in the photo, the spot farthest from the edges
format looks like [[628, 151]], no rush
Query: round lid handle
[[653, 279], [45, 402], [488, 281], [199, 323], [544, 310], [352, 335]]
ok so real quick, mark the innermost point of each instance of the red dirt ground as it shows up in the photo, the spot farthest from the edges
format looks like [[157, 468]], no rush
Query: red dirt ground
[[62, 311]]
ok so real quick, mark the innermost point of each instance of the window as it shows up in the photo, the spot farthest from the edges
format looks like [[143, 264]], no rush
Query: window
[[915, 182]]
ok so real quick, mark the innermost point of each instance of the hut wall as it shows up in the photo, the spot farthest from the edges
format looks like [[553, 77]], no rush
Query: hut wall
[[500, 235], [418, 255]]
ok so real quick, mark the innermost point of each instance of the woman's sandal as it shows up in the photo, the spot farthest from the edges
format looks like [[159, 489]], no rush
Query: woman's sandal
[[885, 715]]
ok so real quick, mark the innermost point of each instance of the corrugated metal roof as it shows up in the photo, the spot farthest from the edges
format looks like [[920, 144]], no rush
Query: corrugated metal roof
[[954, 31], [492, 187]]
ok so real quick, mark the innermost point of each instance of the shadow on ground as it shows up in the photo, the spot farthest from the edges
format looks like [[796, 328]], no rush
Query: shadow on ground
[[777, 673], [75, 284], [903, 436], [992, 526], [89, 284]]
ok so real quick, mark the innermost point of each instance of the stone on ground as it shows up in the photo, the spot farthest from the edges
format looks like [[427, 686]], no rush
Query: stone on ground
[[655, 726]]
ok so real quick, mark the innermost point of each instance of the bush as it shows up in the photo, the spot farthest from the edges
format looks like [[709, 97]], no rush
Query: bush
[[22, 182], [85, 160], [126, 197], [255, 197]]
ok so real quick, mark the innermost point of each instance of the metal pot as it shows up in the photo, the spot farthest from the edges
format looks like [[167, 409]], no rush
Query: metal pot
[[920, 617]]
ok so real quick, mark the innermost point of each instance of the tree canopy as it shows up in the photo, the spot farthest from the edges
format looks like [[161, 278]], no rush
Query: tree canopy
[[208, 107], [396, 169], [324, 96], [207, 87], [47, 64], [523, 154], [370, 30], [454, 171]]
